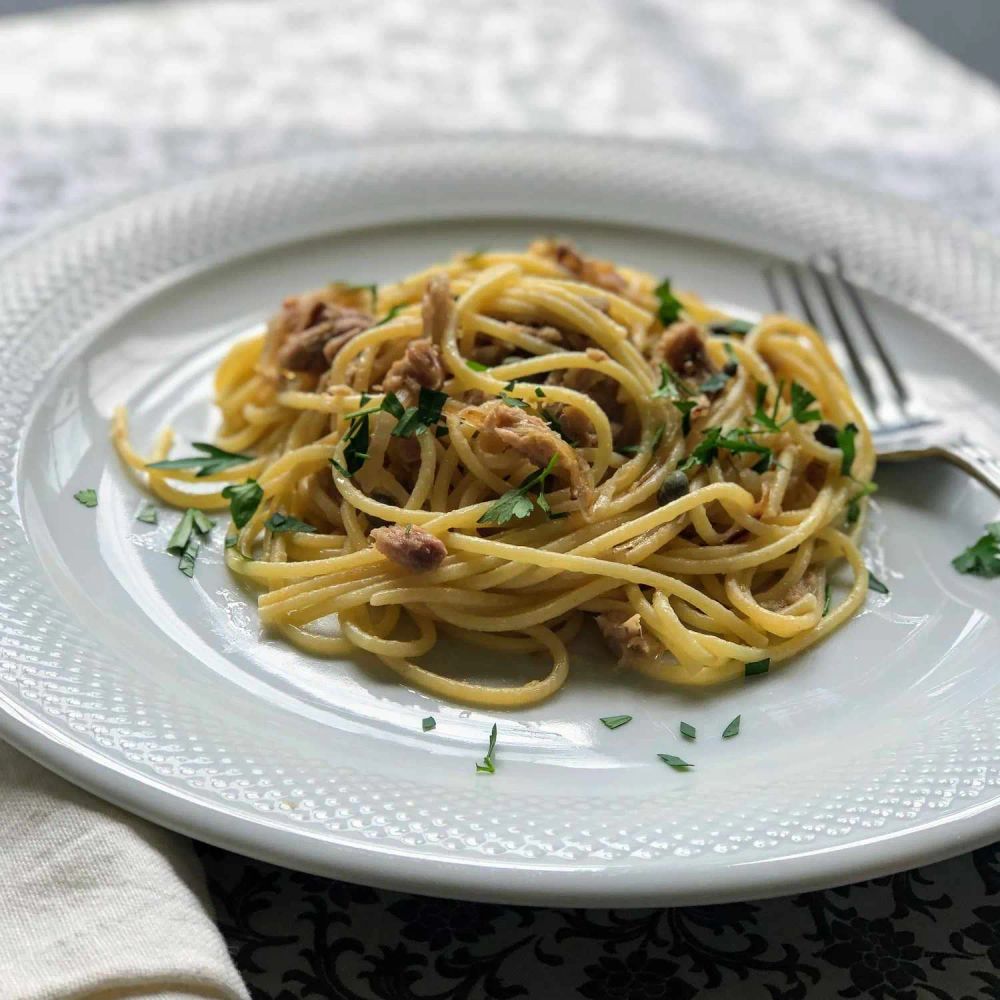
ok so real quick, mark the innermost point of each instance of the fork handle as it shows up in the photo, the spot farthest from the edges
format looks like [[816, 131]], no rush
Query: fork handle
[[975, 460]]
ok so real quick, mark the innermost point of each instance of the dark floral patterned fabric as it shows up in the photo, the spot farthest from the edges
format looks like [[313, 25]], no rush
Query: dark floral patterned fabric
[[928, 933]]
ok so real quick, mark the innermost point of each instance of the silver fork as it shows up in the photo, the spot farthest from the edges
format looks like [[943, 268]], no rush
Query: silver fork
[[902, 427]]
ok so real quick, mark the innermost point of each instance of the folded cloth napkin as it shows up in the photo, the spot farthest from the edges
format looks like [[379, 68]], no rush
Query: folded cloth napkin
[[98, 905]]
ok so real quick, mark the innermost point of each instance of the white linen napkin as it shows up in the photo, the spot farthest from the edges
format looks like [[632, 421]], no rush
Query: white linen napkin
[[98, 905]]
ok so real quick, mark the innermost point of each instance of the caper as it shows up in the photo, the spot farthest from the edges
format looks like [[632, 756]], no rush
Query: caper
[[826, 434], [673, 487]]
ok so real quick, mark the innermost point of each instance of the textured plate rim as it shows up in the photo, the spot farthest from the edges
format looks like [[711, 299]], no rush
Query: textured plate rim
[[87, 766]]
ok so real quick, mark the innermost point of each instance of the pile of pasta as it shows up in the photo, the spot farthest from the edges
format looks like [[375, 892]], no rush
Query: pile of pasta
[[507, 446]]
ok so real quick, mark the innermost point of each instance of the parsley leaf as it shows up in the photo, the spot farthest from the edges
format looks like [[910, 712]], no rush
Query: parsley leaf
[[802, 399], [279, 523], [757, 667], [87, 497], [854, 504], [845, 442], [356, 442], [874, 583], [516, 502], [734, 327], [213, 460], [553, 421], [244, 499], [733, 729], [685, 406], [390, 404], [715, 382], [983, 558], [688, 731], [513, 401], [669, 309], [428, 724], [391, 314], [671, 386], [675, 762], [827, 600], [188, 557], [181, 534], [488, 765], [706, 450], [616, 721], [477, 366], [417, 419], [147, 514]]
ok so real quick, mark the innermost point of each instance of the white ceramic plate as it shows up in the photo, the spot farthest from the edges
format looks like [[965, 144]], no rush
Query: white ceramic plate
[[874, 752]]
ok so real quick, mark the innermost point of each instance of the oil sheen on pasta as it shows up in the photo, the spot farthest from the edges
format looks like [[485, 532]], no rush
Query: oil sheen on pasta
[[548, 359]]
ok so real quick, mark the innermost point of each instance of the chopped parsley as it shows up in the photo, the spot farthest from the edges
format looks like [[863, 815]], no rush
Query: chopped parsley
[[244, 499], [669, 309], [213, 460], [671, 385], [477, 366], [231, 541], [147, 514], [417, 419], [513, 401], [356, 442], [517, 502], [675, 762], [715, 382], [488, 765], [188, 557], [428, 724], [732, 327], [802, 399], [982, 558], [616, 721], [279, 523], [706, 450], [845, 442], [184, 543], [391, 314], [556, 424], [827, 600], [854, 504], [688, 731], [539, 392], [756, 667], [87, 497], [733, 729], [390, 404], [874, 583]]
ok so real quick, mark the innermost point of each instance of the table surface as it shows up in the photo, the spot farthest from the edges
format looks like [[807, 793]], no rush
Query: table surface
[[100, 101]]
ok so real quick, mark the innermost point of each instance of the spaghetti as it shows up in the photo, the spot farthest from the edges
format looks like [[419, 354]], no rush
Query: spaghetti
[[507, 445]]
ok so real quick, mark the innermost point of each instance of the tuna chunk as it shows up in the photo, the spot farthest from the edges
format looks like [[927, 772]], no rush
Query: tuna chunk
[[409, 547]]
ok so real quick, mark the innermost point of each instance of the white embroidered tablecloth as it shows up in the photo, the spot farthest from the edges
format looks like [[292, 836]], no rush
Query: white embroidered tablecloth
[[93, 102]]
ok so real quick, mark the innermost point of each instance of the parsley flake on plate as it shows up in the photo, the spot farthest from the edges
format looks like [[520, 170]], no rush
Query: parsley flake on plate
[[488, 766], [675, 762], [688, 731], [87, 497], [756, 667], [983, 557], [147, 514], [616, 721], [733, 729], [874, 583], [428, 724]]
